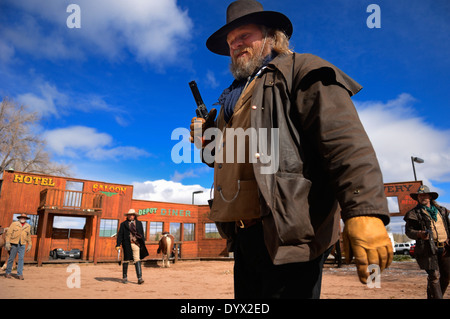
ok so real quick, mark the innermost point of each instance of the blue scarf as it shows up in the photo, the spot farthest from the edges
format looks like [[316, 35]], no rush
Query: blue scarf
[[230, 95]]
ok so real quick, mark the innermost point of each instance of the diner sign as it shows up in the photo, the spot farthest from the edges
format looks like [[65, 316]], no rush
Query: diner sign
[[165, 212]]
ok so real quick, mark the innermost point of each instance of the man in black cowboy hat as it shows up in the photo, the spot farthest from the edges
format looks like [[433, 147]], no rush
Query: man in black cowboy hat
[[17, 237], [131, 237], [428, 223], [281, 225]]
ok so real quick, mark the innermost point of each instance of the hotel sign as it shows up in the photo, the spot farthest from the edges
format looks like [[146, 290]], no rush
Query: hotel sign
[[35, 180]]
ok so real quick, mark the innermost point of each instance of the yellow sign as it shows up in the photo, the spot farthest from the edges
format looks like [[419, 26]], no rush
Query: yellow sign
[[36, 180], [110, 189]]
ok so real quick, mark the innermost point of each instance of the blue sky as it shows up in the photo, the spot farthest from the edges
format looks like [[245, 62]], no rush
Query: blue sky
[[111, 92]]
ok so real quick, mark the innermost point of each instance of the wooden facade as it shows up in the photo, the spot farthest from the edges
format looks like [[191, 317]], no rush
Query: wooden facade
[[103, 206]]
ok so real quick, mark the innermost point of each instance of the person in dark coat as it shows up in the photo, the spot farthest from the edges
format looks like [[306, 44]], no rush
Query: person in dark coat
[[428, 223], [301, 153], [131, 237]]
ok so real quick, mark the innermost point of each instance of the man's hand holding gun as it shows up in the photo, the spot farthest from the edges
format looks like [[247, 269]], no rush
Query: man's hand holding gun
[[202, 121]]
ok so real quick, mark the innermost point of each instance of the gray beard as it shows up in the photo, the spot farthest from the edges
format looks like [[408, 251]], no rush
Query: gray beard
[[241, 72]]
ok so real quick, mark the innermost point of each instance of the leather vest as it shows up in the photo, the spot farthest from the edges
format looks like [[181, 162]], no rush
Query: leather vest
[[236, 193]]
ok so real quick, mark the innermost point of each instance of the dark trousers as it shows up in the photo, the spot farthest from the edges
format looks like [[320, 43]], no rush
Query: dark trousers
[[438, 280], [255, 276]]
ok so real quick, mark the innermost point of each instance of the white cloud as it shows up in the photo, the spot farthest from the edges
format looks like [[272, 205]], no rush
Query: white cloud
[[82, 141], [211, 79], [169, 191], [397, 133], [153, 31], [46, 102]]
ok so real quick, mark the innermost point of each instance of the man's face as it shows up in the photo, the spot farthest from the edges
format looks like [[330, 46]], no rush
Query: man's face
[[22, 220], [130, 217], [248, 49], [424, 199]]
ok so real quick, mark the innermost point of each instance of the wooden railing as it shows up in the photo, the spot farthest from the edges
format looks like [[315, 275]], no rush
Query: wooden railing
[[66, 199]]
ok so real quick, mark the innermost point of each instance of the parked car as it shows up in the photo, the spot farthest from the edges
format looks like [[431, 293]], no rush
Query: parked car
[[402, 248], [63, 254], [411, 250]]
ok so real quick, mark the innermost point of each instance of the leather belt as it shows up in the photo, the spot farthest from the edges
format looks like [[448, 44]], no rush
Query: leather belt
[[246, 223], [439, 245]]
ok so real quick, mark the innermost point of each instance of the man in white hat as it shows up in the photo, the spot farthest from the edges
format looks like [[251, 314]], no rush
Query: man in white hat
[[282, 224], [17, 237], [428, 223], [131, 237]]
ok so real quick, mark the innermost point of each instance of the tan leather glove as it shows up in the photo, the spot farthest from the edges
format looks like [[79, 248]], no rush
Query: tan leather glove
[[29, 247], [198, 128], [366, 239]]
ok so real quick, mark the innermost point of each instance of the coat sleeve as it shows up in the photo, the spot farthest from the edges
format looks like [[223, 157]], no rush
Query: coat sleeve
[[29, 242], [120, 235], [333, 128], [412, 226]]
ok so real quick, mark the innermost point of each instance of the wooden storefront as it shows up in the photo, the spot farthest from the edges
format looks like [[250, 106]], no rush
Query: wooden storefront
[[102, 206]]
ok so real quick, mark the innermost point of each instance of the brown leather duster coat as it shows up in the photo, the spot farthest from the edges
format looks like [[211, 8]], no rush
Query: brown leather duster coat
[[325, 158]]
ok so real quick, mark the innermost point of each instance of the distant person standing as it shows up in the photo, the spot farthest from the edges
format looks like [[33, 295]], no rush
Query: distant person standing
[[131, 237], [428, 223], [17, 237]]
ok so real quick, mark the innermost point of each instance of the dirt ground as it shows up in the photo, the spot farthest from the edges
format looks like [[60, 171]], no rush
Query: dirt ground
[[194, 280]]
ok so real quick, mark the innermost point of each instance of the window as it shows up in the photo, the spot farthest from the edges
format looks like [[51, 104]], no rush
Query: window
[[108, 227], [175, 230], [144, 226], [393, 204], [73, 199], [188, 232], [33, 221], [156, 229], [211, 231]]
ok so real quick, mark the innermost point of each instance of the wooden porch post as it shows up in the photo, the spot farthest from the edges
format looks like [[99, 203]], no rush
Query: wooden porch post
[[42, 236], [97, 232]]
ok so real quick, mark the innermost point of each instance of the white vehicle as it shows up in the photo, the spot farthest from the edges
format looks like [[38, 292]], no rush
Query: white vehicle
[[402, 248]]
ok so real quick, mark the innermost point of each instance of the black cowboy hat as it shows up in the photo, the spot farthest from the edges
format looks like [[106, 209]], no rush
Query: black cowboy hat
[[243, 12], [423, 189]]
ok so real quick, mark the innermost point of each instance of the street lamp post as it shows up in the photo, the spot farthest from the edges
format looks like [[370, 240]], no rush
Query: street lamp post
[[417, 160], [193, 193]]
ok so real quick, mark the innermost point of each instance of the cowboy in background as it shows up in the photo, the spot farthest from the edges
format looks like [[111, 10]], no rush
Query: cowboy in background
[[17, 237], [428, 223], [131, 237]]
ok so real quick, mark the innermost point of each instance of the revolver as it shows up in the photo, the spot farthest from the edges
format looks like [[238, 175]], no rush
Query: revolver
[[201, 108]]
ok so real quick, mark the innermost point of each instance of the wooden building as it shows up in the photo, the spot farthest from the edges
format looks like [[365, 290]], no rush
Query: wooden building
[[102, 206]]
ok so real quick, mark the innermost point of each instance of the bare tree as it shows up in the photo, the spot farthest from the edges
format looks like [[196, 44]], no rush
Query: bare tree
[[20, 147]]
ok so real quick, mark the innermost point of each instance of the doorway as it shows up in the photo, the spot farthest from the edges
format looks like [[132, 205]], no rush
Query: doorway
[[68, 234]]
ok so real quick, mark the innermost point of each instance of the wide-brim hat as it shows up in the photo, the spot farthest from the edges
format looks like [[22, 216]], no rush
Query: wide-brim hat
[[423, 189], [243, 12], [23, 215], [131, 212]]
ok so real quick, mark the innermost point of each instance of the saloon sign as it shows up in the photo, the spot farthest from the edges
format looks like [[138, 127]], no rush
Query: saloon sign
[[109, 190]]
